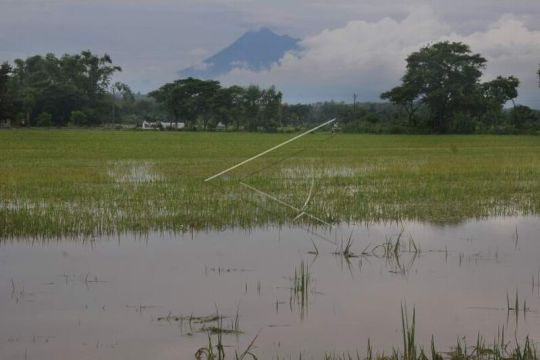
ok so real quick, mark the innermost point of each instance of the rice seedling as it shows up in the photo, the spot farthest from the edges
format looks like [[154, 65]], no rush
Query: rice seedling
[[408, 333], [212, 324], [344, 249], [205, 319], [535, 282], [515, 306], [217, 352], [391, 250], [301, 280], [118, 182], [211, 352], [499, 350], [315, 250], [301, 287]]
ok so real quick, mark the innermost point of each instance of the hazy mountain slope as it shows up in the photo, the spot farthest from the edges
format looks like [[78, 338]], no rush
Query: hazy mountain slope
[[256, 50]]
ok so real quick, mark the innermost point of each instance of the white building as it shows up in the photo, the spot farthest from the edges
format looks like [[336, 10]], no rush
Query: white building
[[172, 125], [147, 125]]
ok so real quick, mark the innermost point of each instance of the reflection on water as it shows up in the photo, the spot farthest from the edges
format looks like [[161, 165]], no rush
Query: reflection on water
[[303, 291]]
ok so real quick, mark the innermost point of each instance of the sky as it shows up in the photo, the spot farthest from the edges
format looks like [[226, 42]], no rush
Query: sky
[[348, 46]]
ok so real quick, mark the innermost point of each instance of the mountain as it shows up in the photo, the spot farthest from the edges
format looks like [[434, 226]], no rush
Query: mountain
[[255, 50]]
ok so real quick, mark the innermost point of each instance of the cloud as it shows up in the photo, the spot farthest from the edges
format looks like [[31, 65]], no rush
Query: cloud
[[511, 48], [368, 57], [361, 51]]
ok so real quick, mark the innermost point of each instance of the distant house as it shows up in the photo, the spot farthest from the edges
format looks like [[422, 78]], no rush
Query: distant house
[[172, 125], [220, 126], [5, 123], [147, 125]]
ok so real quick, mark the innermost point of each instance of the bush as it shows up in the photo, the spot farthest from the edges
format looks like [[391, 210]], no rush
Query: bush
[[79, 118], [44, 119], [463, 124]]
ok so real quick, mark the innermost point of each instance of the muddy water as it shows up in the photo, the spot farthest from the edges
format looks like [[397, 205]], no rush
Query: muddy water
[[118, 298]]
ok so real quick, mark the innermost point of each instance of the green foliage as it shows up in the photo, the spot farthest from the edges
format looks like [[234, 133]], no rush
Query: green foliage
[[118, 181], [205, 102], [523, 118], [79, 118], [62, 85], [187, 99], [445, 77], [440, 93], [7, 105], [44, 119]]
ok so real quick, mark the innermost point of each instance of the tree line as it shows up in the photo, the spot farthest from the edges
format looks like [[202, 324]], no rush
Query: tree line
[[440, 92], [206, 103], [51, 91]]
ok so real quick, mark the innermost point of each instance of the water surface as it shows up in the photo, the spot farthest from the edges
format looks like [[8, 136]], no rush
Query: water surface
[[118, 298]]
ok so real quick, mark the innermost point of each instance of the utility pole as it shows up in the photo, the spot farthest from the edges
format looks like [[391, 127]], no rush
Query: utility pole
[[113, 104]]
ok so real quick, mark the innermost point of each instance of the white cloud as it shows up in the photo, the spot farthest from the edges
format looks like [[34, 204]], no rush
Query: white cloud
[[152, 40], [511, 49], [368, 57]]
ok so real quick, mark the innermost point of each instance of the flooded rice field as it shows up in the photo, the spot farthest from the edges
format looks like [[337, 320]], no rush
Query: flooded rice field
[[298, 290]]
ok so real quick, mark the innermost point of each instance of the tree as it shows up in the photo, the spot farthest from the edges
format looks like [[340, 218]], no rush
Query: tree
[[59, 86], [79, 118], [271, 108], [296, 114], [524, 117], [443, 76], [125, 93], [44, 119], [236, 111], [7, 104], [251, 106], [498, 92], [225, 107], [406, 97], [188, 99]]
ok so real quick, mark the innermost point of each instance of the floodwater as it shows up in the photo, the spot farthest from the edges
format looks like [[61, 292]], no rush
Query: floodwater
[[122, 297]]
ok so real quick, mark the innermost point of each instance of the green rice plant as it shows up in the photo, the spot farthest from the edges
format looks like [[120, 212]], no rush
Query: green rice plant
[[499, 350], [217, 352], [301, 285], [84, 184], [211, 352], [525, 352], [301, 280], [344, 249], [435, 355], [212, 324], [408, 333], [315, 250], [235, 324], [516, 306], [248, 351], [391, 250]]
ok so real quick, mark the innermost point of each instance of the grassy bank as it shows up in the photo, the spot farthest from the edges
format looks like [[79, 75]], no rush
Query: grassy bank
[[83, 182]]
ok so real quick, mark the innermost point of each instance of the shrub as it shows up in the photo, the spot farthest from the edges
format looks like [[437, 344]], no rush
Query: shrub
[[79, 118], [44, 119]]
